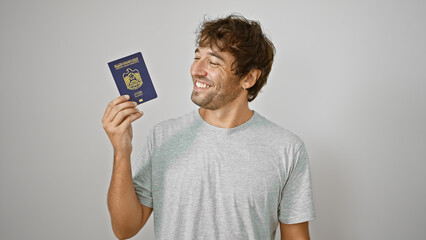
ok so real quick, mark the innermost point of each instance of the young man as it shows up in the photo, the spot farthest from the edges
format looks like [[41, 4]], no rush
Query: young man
[[222, 171]]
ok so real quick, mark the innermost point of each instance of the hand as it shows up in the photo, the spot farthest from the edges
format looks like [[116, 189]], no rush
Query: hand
[[116, 122]]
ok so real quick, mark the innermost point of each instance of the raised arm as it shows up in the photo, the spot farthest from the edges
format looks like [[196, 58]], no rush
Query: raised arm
[[128, 215]]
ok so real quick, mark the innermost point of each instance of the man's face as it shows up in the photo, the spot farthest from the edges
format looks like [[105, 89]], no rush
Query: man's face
[[215, 84]]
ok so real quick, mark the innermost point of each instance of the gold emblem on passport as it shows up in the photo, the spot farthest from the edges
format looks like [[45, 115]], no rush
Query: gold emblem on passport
[[132, 78]]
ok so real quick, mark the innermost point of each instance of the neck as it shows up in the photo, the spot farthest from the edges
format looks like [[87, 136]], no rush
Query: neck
[[227, 116]]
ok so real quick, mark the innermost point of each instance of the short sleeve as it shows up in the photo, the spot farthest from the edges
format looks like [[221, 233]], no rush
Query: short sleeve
[[296, 204], [142, 172]]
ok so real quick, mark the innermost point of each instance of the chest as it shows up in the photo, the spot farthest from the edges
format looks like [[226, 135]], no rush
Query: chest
[[227, 172]]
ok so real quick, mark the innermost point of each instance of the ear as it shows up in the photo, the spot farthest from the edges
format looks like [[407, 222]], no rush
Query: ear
[[250, 79]]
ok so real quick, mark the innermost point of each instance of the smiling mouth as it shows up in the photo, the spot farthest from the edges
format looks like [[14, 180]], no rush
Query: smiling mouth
[[201, 85]]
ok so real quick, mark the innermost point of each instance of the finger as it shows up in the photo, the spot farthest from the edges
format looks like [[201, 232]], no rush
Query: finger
[[114, 102], [129, 119], [119, 107], [121, 115]]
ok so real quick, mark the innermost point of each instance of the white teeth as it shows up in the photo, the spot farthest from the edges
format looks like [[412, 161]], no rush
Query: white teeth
[[201, 85]]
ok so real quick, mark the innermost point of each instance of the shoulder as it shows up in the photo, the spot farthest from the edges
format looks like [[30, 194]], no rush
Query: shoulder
[[173, 126], [176, 122], [275, 134]]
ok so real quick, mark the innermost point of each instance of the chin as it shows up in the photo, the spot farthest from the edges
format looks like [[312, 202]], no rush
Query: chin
[[198, 103]]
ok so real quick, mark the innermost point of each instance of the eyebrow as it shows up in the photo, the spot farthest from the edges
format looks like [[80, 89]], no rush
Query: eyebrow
[[212, 54]]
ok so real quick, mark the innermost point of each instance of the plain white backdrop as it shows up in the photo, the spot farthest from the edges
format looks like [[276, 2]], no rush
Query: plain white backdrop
[[349, 78]]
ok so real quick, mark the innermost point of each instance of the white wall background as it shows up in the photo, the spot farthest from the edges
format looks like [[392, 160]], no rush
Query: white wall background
[[349, 78]]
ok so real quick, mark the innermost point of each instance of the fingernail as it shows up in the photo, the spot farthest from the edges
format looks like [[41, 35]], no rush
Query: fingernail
[[127, 96]]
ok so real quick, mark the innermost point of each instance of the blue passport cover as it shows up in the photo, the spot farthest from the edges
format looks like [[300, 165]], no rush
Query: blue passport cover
[[132, 78]]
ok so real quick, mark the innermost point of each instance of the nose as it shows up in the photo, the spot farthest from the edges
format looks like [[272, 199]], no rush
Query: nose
[[198, 68]]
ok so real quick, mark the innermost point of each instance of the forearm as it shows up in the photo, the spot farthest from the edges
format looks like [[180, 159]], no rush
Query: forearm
[[123, 204]]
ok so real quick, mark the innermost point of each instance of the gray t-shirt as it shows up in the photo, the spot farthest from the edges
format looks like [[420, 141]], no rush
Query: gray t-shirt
[[205, 182]]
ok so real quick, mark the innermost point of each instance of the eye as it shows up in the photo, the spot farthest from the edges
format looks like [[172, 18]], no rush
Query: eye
[[214, 64]]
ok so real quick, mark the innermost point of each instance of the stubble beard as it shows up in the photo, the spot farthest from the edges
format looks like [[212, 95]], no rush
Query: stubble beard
[[217, 99]]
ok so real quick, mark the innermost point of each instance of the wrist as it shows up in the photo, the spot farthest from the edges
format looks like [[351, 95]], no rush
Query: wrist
[[119, 156]]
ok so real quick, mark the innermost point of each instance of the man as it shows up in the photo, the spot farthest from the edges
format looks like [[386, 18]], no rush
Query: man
[[222, 171]]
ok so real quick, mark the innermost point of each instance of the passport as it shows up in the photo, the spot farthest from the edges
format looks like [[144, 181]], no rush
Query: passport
[[132, 78]]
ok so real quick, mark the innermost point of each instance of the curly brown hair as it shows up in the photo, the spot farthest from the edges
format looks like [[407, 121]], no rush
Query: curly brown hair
[[245, 40]]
